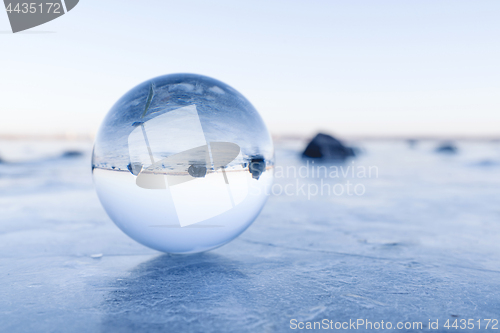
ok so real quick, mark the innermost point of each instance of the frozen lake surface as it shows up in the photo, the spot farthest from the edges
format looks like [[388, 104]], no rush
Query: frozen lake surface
[[421, 242]]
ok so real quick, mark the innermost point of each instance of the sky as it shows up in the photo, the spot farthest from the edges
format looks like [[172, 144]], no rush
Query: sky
[[351, 68]]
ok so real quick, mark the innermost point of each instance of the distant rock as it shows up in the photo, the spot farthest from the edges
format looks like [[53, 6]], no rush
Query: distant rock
[[327, 147], [447, 148], [134, 168], [257, 166], [412, 143], [197, 171], [486, 163], [72, 154]]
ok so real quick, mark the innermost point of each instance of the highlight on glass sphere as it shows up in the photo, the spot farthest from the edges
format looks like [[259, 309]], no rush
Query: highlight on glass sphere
[[183, 163]]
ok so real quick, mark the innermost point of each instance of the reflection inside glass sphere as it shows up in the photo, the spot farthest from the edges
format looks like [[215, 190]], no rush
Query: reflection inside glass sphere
[[183, 163]]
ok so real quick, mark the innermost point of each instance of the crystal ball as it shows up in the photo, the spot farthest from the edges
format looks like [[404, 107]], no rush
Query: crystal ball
[[183, 163]]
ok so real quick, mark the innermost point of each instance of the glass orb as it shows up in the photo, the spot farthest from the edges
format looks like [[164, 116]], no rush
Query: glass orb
[[183, 163]]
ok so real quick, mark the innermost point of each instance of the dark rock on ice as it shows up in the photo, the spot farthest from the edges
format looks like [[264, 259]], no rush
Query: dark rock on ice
[[327, 147], [412, 142], [447, 148], [134, 168], [72, 154], [257, 166], [197, 171], [486, 163]]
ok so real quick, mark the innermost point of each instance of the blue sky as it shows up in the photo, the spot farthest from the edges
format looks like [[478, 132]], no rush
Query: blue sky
[[388, 68]]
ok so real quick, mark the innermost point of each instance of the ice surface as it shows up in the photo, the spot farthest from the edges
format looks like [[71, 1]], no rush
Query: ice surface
[[422, 243]]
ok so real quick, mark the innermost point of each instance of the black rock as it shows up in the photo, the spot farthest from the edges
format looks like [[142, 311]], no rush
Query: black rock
[[198, 171], [447, 148], [327, 147], [257, 166], [71, 154]]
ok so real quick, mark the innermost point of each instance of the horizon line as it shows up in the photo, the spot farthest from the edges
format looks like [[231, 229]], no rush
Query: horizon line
[[276, 137]]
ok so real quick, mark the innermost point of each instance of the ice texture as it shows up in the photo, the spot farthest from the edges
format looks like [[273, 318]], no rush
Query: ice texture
[[421, 243]]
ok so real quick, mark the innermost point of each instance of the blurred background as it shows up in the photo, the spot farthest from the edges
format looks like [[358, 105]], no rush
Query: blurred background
[[357, 68], [411, 86]]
